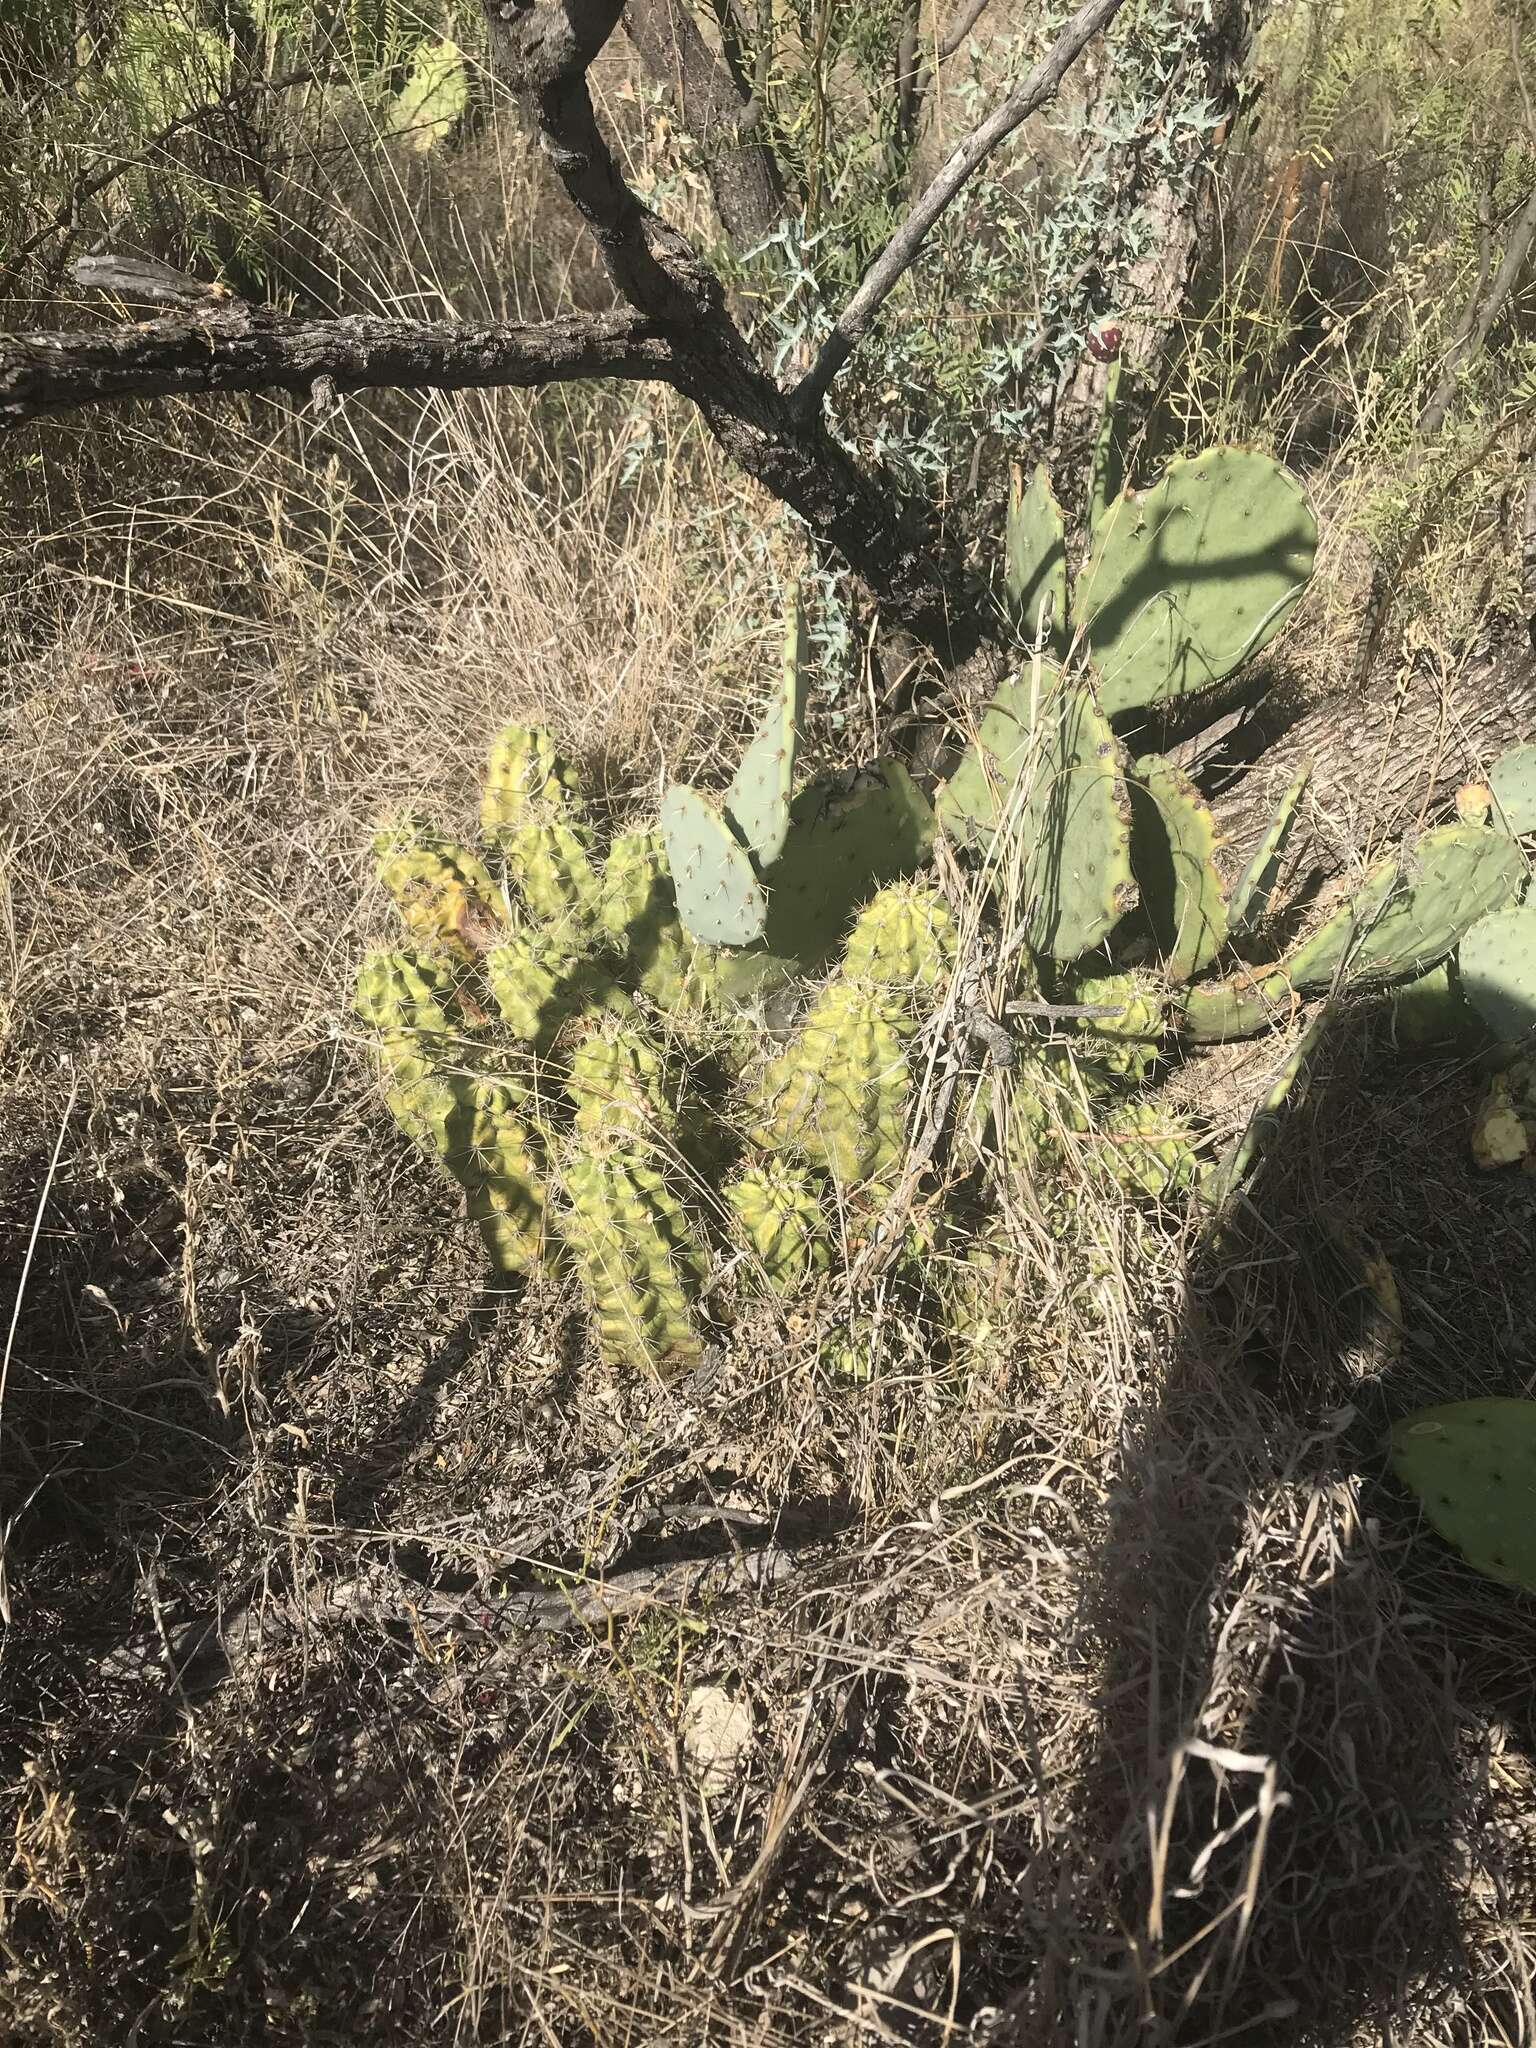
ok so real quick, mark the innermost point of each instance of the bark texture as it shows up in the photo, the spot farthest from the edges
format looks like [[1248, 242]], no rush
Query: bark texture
[[235, 347], [711, 106], [1382, 766]]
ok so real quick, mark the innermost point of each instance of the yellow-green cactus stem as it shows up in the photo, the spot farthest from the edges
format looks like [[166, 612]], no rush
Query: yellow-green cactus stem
[[638, 912], [839, 1093], [527, 779], [551, 863], [1145, 1150], [1127, 1042], [782, 1221], [618, 1084], [638, 1262], [472, 1128], [445, 895], [903, 939], [538, 979]]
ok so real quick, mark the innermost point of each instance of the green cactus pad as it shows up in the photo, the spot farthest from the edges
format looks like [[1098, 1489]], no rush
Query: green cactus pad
[[972, 803], [1337, 944], [1187, 580], [637, 1258], [1455, 875], [1473, 1466], [904, 940], [719, 898], [781, 1218], [1106, 472], [1256, 885], [1496, 968], [1215, 1011], [838, 1094], [1174, 843], [1035, 571], [1264, 1123], [527, 781], [1076, 831], [757, 802], [1073, 826], [445, 894], [618, 1084], [1513, 783], [842, 847], [1431, 1010]]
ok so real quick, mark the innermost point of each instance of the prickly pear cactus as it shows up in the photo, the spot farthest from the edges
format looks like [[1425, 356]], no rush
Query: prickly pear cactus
[[781, 1218], [903, 940], [1255, 887], [1036, 564], [1174, 845], [636, 1255], [1187, 580], [1473, 1466], [1496, 969], [1128, 1040], [838, 1094], [1513, 788]]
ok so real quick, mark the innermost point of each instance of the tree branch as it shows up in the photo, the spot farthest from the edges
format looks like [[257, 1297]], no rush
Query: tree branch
[[229, 348], [742, 171], [1037, 90]]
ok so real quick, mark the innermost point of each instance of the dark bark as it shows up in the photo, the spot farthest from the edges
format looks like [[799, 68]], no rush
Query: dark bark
[[859, 515], [235, 347], [722, 118]]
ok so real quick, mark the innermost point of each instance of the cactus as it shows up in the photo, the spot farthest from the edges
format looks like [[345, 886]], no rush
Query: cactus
[[503, 1183], [904, 940], [551, 863], [1185, 581], [527, 781], [842, 847], [1454, 876], [639, 912], [1106, 471], [1513, 786], [1256, 885], [719, 898], [984, 785], [838, 1094], [1223, 1179], [1144, 1149], [444, 893], [1073, 824], [406, 997], [538, 980], [1496, 970], [1035, 572], [1504, 1121], [1128, 1042], [636, 1255], [1174, 843], [1473, 1466], [618, 1085], [1431, 1010], [757, 802], [782, 1221]]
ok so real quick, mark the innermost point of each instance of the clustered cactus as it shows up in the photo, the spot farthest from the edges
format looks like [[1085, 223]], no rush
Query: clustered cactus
[[548, 1033], [542, 1035]]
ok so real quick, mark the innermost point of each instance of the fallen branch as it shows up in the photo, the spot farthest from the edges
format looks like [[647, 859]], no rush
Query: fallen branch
[[231, 347]]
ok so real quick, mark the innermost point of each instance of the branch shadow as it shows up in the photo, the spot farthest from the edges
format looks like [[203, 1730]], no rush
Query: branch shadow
[[1298, 1678]]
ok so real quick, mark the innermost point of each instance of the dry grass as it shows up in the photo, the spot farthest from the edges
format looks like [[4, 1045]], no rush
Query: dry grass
[[1101, 1686]]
